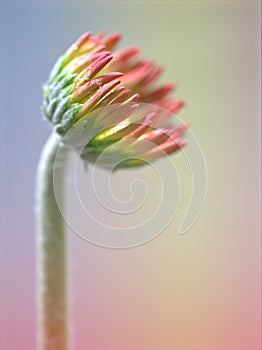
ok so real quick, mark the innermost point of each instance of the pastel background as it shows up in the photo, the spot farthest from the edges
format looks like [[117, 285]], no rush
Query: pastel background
[[200, 291]]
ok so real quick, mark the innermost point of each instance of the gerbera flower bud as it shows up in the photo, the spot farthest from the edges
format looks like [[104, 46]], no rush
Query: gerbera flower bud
[[89, 77], [109, 108]]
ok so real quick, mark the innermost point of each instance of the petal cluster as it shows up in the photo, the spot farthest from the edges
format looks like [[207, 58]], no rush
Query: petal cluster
[[88, 77]]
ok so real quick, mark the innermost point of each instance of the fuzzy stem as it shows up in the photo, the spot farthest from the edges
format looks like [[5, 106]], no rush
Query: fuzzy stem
[[51, 245]]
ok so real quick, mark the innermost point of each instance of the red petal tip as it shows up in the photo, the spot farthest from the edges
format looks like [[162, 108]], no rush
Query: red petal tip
[[111, 40]]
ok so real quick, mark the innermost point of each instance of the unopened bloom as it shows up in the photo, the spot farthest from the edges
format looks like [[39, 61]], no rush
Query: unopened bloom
[[88, 78]]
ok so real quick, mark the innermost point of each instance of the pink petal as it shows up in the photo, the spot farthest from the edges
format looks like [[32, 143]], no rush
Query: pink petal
[[122, 56], [97, 66], [111, 40], [122, 97], [90, 103], [159, 92], [85, 60], [94, 85]]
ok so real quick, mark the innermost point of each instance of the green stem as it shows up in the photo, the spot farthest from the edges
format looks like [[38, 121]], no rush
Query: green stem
[[51, 244]]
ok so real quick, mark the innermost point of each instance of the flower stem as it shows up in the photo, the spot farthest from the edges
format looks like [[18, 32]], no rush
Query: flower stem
[[51, 245]]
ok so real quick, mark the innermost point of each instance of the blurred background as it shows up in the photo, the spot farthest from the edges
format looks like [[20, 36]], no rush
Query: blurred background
[[199, 291]]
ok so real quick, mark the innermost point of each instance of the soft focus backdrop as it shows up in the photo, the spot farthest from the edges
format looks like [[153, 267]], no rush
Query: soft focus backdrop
[[200, 291]]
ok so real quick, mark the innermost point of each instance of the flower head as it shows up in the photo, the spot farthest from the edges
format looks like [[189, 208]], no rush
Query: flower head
[[88, 78]]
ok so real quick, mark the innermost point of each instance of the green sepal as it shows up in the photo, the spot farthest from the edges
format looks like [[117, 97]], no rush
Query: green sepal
[[103, 143], [57, 68], [60, 109], [43, 110], [68, 118], [130, 163], [46, 91], [55, 90], [50, 108], [107, 157], [66, 91]]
